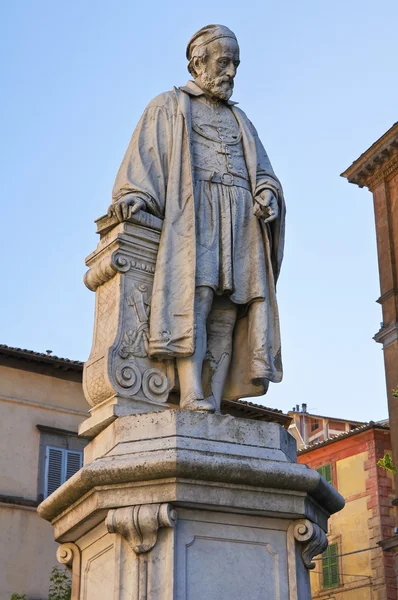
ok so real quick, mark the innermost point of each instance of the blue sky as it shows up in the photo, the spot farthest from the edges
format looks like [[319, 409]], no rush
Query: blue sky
[[317, 78]]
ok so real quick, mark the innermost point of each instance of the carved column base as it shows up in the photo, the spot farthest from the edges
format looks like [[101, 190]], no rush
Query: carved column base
[[178, 505]]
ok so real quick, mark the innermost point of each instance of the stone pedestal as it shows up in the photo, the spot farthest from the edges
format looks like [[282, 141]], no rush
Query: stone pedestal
[[175, 505], [119, 378]]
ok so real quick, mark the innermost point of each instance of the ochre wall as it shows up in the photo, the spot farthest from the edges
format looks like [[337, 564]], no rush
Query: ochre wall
[[367, 516], [47, 386], [27, 553], [29, 398]]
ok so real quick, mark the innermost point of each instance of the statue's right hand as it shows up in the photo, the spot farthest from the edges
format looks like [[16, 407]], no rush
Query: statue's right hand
[[126, 206]]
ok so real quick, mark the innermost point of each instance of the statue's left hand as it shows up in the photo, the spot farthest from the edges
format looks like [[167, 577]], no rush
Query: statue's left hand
[[266, 206]]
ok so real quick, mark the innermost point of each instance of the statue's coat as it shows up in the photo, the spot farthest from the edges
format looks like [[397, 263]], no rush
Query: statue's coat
[[157, 168]]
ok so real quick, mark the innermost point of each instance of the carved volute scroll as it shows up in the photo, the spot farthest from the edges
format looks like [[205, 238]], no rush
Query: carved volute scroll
[[139, 525], [313, 539], [69, 555]]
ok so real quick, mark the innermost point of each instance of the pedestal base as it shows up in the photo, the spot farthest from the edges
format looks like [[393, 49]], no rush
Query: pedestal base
[[178, 505]]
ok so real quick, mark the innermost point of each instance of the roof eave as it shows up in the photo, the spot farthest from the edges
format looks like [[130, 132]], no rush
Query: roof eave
[[377, 156], [37, 357]]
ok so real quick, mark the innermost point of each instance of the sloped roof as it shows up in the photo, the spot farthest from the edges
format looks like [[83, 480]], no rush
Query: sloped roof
[[252, 410], [41, 357], [313, 416], [248, 409], [343, 434]]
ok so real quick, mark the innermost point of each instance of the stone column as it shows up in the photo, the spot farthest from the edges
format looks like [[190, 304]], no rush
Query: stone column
[[176, 505]]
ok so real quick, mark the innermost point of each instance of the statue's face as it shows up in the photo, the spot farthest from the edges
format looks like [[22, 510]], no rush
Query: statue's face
[[216, 73]]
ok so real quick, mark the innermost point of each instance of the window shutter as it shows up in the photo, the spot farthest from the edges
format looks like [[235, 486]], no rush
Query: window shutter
[[73, 463], [330, 567], [325, 569], [326, 472], [53, 469], [334, 566]]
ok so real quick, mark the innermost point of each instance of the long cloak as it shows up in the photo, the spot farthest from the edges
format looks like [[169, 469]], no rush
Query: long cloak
[[157, 167]]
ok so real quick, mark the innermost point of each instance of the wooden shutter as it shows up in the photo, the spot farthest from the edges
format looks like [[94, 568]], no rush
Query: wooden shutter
[[54, 469], [325, 569], [326, 472], [330, 567], [60, 465], [73, 463], [334, 565]]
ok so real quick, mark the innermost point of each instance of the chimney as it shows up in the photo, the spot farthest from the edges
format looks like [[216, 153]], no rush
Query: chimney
[[304, 408], [297, 408]]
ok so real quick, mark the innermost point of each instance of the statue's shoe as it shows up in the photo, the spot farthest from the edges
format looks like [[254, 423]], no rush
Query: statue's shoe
[[199, 404]]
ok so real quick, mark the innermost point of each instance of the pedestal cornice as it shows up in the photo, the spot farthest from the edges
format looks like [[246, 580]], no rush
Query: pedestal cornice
[[192, 459]]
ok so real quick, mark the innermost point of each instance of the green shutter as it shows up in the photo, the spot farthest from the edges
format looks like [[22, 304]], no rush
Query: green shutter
[[325, 571], [330, 567], [326, 472], [334, 565]]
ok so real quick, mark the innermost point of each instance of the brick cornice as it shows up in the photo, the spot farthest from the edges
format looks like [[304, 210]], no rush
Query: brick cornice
[[387, 295], [387, 334], [378, 163]]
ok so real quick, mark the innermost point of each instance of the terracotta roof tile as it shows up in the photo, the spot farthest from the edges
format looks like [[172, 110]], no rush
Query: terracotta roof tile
[[343, 434], [41, 357]]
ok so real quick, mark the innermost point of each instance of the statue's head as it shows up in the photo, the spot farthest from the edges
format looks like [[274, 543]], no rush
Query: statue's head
[[213, 55]]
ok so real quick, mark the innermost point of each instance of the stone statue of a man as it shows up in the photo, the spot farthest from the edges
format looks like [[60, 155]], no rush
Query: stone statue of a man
[[195, 160]]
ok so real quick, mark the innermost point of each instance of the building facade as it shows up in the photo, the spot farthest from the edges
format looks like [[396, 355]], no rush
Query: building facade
[[318, 428], [354, 567], [377, 169], [41, 406]]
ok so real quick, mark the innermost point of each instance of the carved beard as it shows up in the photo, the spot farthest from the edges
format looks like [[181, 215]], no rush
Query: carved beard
[[220, 87]]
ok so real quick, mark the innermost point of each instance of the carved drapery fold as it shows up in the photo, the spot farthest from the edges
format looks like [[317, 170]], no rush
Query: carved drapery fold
[[139, 525], [69, 555]]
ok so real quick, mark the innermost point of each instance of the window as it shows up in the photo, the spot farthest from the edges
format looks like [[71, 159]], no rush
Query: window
[[314, 424], [60, 457], [326, 472], [60, 464], [330, 567]]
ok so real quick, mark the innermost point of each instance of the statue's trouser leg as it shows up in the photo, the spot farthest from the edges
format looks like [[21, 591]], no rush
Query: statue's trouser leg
[[190, 368], [220, 327]]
